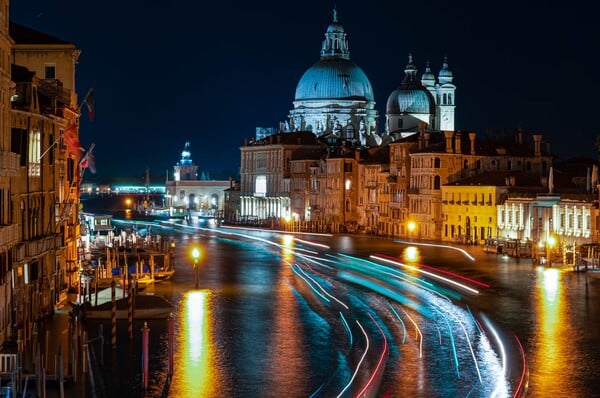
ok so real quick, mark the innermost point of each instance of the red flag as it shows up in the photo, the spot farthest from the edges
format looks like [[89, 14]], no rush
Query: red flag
[[71, 140], [90, 102]]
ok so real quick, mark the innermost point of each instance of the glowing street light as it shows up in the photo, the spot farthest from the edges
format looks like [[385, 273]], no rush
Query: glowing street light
[[196, 256], [411, 228], [550, 242]]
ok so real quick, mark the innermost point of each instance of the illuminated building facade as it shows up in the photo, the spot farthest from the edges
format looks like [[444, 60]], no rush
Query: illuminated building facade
[[9, 169], [189, 193], [44, 191], [265, 174]]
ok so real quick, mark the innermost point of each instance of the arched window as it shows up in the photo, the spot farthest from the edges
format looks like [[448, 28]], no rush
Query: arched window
[[449, 99], [347, 205], [436, 182], [445, 99], [466, 164], [437, 163], [478, 164], [350, 132]]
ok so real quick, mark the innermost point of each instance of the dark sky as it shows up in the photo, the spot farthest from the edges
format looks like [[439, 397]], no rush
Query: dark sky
[[209, 72]]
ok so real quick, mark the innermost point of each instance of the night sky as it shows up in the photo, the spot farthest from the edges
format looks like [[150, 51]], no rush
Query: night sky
[[169, 72]]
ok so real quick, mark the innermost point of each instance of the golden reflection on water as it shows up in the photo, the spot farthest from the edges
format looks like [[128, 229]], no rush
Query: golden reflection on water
[[552, 333], [195, 370]]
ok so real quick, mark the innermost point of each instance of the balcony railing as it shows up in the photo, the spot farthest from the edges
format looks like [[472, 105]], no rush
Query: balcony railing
[[9, 235], [9, 164]]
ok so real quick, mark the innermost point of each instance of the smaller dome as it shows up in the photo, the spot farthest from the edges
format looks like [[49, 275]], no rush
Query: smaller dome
[[335, 27], [410, 100], [392, 107], [445, 75]]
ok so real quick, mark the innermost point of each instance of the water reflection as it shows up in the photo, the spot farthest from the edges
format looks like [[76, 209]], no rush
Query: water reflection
[[195, 370], [552, 334]]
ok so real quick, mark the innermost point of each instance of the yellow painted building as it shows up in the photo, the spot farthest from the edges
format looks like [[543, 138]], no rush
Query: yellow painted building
[[469, 208]]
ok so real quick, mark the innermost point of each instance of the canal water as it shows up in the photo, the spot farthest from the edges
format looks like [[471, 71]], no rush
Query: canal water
[[246, 331]]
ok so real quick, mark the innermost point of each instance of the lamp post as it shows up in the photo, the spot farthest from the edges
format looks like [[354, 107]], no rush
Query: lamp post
[[196, 256]]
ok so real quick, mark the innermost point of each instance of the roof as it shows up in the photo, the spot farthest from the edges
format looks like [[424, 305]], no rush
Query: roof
[[334, 78], [24, 35], [500, 178]]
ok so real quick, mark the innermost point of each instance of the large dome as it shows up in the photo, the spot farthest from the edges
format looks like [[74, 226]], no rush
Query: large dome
[[410, 100], [334, 78]]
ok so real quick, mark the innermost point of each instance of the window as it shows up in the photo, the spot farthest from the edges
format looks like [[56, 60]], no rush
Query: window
[[466, 164], [436, 163], [436, 182], [34, 154], [49, 71], [260, 189], [399, 123]]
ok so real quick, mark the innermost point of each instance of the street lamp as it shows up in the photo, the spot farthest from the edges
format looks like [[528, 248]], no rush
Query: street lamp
[[411, 227], [550, 242], [196, 257]]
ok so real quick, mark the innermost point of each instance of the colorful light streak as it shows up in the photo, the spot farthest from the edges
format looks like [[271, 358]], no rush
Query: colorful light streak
[[362, 358], [380, 363], [401, 321], [458, 249], [418, 334], [467, 288]]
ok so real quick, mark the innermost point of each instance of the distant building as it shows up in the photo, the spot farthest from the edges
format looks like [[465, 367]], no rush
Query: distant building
[[188, 194]]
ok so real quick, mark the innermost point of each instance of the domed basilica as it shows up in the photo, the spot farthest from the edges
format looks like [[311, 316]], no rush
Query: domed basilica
[[335, 96]]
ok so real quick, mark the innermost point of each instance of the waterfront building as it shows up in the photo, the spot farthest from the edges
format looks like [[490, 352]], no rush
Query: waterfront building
[[44, 193], [563, 210], [265, 174], [193, 194], [9, 169]]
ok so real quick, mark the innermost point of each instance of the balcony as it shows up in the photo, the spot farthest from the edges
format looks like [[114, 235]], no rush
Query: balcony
[[9, 164], [9, 235]]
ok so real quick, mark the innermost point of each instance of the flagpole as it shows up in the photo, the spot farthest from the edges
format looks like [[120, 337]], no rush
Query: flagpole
[[50, 147], [86, 96]]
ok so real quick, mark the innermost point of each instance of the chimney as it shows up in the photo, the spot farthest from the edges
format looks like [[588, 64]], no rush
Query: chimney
[[270, 139], [448, 135], [420, 140], [427, 137], [457, 142], [520, 136], [472, 138], [279, 139], [537, 140], [548, 147], [357, 155], [246, 141]]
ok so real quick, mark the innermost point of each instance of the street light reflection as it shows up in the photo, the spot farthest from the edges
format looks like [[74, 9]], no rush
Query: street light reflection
[[195, 359], [411, 254]]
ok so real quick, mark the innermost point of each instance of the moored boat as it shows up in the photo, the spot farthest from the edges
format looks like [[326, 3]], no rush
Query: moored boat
[[146, 306]]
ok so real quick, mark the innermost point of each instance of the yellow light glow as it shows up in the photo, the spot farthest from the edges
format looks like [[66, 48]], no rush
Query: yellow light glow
[[551, 241], [411, 226], [195, 360], [411, 254], [196, 253]]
